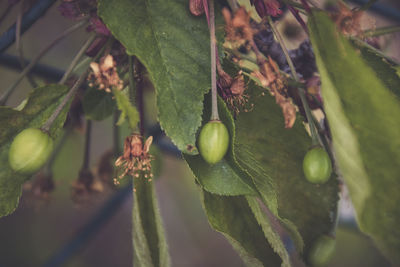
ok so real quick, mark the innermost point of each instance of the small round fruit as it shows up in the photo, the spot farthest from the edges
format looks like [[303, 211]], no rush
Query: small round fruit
[[29, 151], [317, 165], [213, 141], [322, 251]]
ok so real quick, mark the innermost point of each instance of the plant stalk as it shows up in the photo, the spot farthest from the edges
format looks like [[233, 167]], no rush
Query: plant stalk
[[18, 43], [86, 151], [381, 31], [77, 58], [213, 43], [7, 93], [314, 135]]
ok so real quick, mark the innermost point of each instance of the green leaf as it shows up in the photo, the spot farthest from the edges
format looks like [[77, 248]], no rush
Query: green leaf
[[97, 104], [363, 116], [127, 109], [40, 105], [233, 217], [273, 156], [383, 69], [149, 244], [174, 47], [225, 177]]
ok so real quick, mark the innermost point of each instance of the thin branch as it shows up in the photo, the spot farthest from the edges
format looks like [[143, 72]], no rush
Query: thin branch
[[9, 90], [381, 31], [77, 58], [72, 91], [30, 17], [18, 43], [6, 12], [86, 151], [314, 135]]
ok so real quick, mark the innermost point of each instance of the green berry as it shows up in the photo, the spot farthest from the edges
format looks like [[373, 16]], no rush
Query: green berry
[[29, 151], [317, 165], [322, 251], [213, 141]]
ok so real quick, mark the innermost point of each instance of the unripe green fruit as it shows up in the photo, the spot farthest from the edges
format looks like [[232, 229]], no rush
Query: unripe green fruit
[[29, 151], [322, 251], [213, 141], [317, 165]]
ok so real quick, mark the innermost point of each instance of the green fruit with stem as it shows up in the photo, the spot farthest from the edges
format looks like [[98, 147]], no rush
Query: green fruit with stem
[[317, 165], [213, 141], [322, 251], [30, 150]]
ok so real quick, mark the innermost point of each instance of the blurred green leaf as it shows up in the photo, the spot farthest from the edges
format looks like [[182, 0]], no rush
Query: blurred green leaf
[[383, 69], [273, 156], [149, 244], [40, 106], [97, 104], [127, 109], [364, 120], [174, 47]]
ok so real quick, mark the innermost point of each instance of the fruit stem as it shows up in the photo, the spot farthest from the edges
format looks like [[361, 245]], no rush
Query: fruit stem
[[381, 31], [77, 58], [46, 126], [116, 135], [314, 135], [131, 71], [86, 151], [18, 43], [7, 93], [139, 94], [213, 46]]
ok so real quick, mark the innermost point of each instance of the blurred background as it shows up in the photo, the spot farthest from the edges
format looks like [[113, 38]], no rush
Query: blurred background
[[97, 232]]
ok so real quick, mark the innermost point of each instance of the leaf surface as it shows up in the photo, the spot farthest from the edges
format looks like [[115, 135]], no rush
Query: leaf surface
[[174, 47], [149, 244], [363, 114]]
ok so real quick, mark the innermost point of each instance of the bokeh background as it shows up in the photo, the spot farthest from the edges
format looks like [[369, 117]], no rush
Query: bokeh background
[[98, 231]]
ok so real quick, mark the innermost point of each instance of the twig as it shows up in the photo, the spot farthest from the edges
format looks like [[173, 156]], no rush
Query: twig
[[9, 90], [77, 58], [381, 31], [8, 37], [72, 91], [86, 151], [18, 43], [314, 135]]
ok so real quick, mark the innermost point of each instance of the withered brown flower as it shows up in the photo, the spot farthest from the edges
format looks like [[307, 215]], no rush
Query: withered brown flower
[[238, 28], [270, 76], [105, 75], [196, 7], [136, 159], [348, 20]]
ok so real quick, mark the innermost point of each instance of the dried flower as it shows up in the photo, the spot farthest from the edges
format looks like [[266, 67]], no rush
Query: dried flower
[[136, 159], [105, 75], [348, 20], [86, 184], [270, 76], [196, 7], [267, 7], [238, 28]]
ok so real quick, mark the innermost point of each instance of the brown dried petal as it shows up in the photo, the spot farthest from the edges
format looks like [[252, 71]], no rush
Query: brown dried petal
[[196, 7], [238, 85]]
